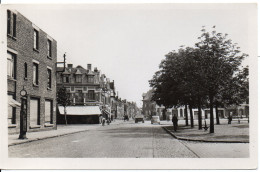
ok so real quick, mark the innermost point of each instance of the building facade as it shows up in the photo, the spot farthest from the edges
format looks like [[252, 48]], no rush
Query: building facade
[[83, 86], [31, 64]]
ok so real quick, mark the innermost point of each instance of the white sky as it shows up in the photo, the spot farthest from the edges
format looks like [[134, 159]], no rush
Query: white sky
[[127, 42]]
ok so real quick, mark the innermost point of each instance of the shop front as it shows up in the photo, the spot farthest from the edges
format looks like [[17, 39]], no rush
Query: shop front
[[79, 115]]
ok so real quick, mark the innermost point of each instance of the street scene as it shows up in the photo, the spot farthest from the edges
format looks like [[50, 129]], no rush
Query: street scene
[[127, 140], [118, 81]]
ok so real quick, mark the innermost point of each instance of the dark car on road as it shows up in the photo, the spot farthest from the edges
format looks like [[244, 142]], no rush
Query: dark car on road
[[139, 118]]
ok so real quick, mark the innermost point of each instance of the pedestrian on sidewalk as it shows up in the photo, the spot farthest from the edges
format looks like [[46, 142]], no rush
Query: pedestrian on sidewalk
[[175, 122], [103, 121]]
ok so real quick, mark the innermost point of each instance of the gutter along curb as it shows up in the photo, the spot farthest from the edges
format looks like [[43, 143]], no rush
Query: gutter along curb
[[202, 140]]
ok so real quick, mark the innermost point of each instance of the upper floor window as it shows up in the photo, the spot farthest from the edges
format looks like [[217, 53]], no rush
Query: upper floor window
[[35, 74], [49, 78], [11, 65], [65, 78], [91, 79], [78, 78], [91, 95], [35, 39], [11, 24], [14, 25], [49, 48]]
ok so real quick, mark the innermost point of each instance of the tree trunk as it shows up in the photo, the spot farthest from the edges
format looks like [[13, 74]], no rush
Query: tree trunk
[[191, 117], [211, 128], [199, 114], [217, 116], [65, 114], [186, 115]]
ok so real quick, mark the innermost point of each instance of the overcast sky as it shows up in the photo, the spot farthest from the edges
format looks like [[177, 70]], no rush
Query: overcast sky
[[127, 42]]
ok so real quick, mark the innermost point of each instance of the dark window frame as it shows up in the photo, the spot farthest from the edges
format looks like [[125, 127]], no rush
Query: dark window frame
[[14, 25], [37, 74], [49, 47], [51, 112], [49, 78], [90, 79], [92, 95], [35, 39], [25, 71], [66, 80], [8, 22], [38, 110], [13, 120], [14, 64], [78, 78]]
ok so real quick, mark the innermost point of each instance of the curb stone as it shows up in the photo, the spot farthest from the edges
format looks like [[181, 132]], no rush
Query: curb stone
[[198, 140], [48, 137]]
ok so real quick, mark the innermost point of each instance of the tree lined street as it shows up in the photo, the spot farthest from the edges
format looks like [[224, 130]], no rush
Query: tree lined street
[[126, 140]]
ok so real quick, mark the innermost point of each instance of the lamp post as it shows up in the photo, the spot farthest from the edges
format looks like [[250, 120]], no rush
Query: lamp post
[[23, 114]]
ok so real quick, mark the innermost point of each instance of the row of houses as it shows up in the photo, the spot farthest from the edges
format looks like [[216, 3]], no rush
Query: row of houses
[[91, 94], [150, 108], [32, 67]]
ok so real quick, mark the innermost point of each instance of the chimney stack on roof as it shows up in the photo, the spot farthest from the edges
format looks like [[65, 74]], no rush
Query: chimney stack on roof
[[95, 69], [89, 67], [70, 65]]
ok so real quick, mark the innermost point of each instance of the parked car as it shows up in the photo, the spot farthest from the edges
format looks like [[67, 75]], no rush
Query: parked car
[[155, 119], [139, 118]]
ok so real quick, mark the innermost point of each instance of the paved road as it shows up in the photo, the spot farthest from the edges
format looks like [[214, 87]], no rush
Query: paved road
[[128, 140]]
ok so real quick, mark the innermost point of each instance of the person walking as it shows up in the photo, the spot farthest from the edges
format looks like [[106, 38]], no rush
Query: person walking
[[175, 122], [103, 121]]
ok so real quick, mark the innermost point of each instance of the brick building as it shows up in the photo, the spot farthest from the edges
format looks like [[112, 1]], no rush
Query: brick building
[[31, 63], [83, 85]]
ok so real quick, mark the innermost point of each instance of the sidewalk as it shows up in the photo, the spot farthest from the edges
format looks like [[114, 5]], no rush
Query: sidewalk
[[224, 133], [62, 130]]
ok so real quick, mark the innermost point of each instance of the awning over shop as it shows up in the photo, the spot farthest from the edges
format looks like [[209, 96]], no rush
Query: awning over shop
[[13, 103], [80, 110]]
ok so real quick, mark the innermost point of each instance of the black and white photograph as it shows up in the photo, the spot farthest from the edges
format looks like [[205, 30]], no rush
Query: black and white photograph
[[129, 86]]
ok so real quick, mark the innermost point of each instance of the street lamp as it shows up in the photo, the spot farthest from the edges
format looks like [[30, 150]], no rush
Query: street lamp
[[23, 114]]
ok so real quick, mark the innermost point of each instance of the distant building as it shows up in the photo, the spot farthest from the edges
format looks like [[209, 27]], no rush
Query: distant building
[[84, 88], [31, 63], [149, 106]]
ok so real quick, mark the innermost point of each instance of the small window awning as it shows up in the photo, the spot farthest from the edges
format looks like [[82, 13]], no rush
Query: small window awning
[[80, 110], [13, 103]]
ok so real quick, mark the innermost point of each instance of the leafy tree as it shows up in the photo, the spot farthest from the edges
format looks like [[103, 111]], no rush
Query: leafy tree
[[63, 99], [220, 60]]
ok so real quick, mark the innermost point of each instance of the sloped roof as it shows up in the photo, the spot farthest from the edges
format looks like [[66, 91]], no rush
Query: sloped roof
[[66, 72], [78, 72]]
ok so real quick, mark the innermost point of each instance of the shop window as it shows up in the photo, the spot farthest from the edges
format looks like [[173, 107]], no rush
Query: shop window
[[48, 112], [34, 112], [11, 112]]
